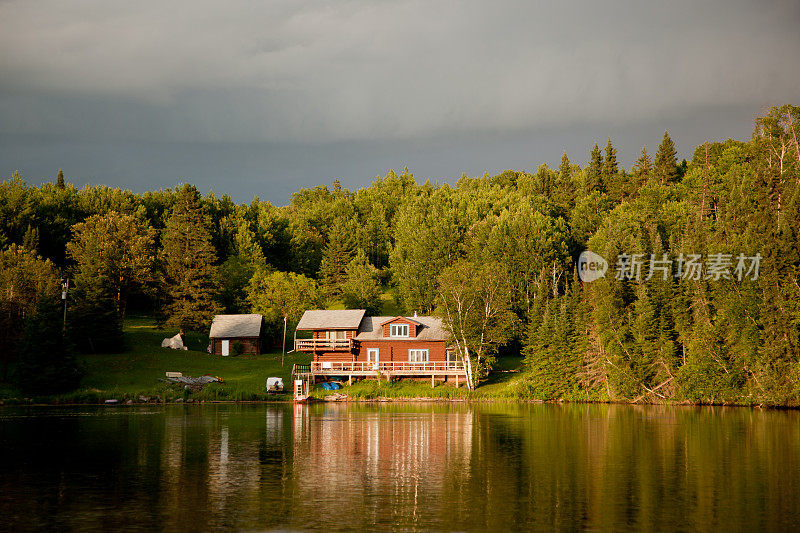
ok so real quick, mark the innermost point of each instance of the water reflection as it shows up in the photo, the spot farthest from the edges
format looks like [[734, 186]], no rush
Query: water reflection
[[393, 464], [409, 466]]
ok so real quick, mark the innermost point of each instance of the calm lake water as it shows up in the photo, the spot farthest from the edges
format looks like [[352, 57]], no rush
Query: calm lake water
[[495, 467]]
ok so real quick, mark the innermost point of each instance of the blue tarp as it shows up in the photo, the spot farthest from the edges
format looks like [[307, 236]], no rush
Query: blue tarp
[[331, 386]]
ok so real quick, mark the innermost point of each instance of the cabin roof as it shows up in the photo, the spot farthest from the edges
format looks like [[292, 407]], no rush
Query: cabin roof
[[232, 326], [407, 319], [431, 330], [337, 319]]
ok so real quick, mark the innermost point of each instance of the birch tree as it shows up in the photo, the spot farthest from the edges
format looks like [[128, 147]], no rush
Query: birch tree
[[474, 302]]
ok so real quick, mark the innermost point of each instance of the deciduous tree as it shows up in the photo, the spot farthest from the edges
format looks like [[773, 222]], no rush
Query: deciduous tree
[[474, 302], [116, 251]]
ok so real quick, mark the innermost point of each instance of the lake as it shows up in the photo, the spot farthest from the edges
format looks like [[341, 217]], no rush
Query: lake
[[498, 467]]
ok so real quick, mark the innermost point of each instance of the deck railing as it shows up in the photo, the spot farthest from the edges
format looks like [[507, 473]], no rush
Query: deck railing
[[301, 369], [429, 367], [323, 345]]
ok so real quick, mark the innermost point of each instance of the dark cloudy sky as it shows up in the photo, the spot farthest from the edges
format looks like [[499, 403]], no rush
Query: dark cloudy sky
[[261, 98]]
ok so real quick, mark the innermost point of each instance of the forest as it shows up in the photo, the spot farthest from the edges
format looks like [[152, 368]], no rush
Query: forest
[[700, 302]]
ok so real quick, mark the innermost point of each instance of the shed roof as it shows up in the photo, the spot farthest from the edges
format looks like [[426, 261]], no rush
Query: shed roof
[[232, 326], [338, 319], [431, 330]]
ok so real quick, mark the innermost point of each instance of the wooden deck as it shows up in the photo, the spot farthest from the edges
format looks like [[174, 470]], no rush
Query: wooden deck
[[388, 370], [324, 345]]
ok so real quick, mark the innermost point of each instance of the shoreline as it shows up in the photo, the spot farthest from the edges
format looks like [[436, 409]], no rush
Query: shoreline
[[386, 399]]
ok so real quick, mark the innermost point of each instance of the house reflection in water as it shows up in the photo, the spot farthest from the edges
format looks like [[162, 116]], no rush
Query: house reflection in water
[[401, 462]]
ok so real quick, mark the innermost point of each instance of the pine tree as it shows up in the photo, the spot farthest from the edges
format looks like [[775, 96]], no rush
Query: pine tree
[[60, 183], [640, 173], [46, 364], [611, 176], [564, 170], [93, 321], [189, 256], [336, 256], [666, 164], [565, 187], [643, 166], [610, 168], [30, 240], [594, 172]]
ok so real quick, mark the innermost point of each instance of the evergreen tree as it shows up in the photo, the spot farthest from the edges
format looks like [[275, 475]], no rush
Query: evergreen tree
[[336, 257], [594, 172], [565, 192], [60, 183], [564, 170], [551, 350], [640, 173], [610, 168], [666, 163], [189, 256], [31, 239], [545, 181], [612, 179], [46, 364], [643, 166], [93, 320]]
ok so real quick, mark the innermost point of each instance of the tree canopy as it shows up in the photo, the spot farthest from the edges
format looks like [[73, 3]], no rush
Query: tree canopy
[[701, 329]]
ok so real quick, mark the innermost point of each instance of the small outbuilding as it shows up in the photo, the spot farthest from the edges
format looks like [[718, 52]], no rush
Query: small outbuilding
[[235, 334]]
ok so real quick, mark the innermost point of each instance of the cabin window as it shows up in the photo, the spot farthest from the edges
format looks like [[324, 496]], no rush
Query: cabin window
[[452, 359], [418, 356], [398, 330], [338, 335], [372, 355]]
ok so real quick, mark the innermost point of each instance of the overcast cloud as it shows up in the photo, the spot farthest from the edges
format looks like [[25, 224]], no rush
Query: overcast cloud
[[261, 98]]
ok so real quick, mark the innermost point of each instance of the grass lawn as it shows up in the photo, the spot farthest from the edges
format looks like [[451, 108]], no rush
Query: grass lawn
[[138, 369]]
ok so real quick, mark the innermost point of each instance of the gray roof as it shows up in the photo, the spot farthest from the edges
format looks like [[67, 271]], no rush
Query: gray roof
[[340, 319], [432, 329], [231, 326]]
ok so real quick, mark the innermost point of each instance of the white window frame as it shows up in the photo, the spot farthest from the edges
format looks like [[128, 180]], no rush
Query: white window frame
[[373, 355], [418, 355], [452, 359], [399, 330]]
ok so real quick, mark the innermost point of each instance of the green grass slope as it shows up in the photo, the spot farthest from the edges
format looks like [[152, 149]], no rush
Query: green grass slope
[[138, 369]]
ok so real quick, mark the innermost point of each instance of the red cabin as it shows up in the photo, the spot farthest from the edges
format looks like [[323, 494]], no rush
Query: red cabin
[[348, 344]]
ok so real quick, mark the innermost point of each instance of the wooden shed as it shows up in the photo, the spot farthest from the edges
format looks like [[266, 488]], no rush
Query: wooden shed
[[232, 333]]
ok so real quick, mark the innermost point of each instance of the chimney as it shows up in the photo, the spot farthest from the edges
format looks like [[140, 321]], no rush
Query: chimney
[[415, 314]]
